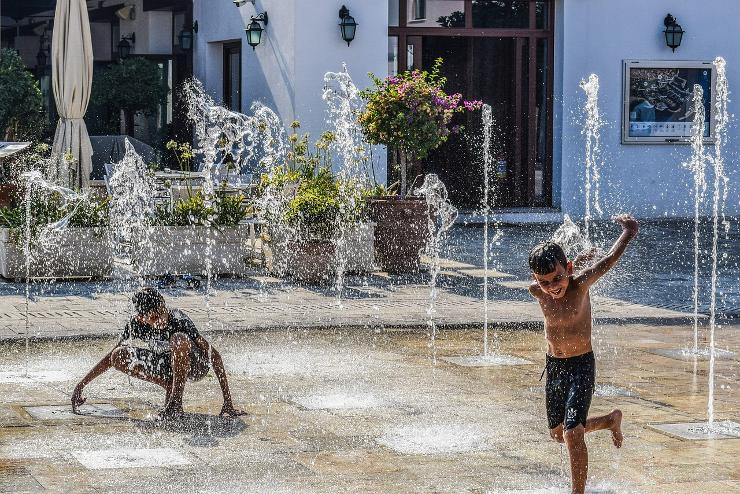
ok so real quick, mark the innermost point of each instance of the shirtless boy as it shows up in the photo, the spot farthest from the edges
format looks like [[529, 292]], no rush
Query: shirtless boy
[[171, 352], [570, 364]]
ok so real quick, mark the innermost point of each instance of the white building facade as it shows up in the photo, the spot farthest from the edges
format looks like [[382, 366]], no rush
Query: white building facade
[[525, 58], [302, 41]]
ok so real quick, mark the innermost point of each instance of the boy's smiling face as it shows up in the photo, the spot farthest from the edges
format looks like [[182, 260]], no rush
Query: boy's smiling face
[[556, 283]]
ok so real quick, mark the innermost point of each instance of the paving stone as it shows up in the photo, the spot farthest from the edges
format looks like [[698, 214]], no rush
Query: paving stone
[[486, 360], [130, 458], [64, 412], [701, 431]]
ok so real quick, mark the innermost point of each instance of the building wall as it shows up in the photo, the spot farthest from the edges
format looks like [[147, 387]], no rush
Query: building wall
[[300, 44], [595, 36]]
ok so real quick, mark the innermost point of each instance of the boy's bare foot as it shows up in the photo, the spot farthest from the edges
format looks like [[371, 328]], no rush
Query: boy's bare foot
[[171, 412], [616, 427]]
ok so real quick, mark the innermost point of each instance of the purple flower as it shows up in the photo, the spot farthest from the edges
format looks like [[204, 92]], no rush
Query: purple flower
[[472, 105]]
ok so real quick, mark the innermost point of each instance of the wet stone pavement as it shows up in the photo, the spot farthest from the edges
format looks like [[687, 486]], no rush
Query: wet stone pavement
[[351, 396], [364, 411]]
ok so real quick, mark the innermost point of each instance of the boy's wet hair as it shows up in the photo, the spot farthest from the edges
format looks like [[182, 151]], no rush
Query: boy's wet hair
[[147, 300], [545, 257]]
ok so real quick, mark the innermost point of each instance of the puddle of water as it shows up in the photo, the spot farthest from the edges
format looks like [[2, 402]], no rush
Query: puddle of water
[[130, 458], [689, 355], [339, 401], [64, 412], [700, 431], [611, 390], [42, 376], [486, 360], [435, 439], [560, 490]]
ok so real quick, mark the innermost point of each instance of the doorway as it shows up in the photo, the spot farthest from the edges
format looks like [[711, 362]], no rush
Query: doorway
[[500, 53]]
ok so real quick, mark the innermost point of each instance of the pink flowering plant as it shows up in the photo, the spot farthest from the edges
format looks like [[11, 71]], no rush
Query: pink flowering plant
[[411, 114]]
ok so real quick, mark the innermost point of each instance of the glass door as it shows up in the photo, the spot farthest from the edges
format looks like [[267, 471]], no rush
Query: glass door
[[233, 76]]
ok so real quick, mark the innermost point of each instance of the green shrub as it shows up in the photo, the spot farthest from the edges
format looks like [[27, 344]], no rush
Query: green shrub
[[46, 209], [22, 114], [226, 210], [134, 86]]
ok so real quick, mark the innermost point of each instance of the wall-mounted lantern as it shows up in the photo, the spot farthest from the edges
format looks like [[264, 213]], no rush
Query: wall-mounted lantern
[[239, 3], [348, 25], [186, 36], [41, 59], [124, 46], [254, 29], [673, 32]]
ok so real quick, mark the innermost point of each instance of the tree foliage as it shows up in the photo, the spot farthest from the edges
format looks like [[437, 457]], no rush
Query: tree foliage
[[22, 114], [134, 85]]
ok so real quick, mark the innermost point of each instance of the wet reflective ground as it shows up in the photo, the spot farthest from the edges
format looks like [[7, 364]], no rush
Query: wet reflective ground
[[363, 411], [657, 269]]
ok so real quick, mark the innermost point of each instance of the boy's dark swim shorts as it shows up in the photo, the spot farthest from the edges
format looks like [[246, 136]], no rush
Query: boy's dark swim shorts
[[160, 364], [569, 389]]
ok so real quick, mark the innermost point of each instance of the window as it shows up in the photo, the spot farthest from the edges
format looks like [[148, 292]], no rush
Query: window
[[420, 9], [392, 55], [233, 76]]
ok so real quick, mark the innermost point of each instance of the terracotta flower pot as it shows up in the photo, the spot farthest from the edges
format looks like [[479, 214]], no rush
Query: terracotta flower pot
[[400, 232]]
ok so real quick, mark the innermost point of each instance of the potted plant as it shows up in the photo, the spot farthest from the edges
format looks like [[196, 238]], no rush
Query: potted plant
[[314, 205], [69, 239], [410, 114]]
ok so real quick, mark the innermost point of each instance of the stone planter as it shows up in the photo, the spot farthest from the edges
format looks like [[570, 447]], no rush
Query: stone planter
[[316, 261], [400, 233], [71, 253], [182, 250]]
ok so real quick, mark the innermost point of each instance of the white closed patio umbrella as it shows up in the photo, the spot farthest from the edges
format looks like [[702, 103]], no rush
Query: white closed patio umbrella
[[72, 74]]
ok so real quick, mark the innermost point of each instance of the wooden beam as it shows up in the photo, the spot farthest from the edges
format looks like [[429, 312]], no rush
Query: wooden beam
[[166, 5], [475, 32]]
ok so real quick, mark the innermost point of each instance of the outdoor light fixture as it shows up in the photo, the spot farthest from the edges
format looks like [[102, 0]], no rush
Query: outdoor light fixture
[[348, 25], [254, 29], [41, 59], [124, 46], [673, 32], [186, 36], [239, 3]]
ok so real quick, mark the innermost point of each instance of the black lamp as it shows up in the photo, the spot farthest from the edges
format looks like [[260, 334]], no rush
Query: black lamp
[[124, 46], [348, 25], [254, 29], [673, 32], [41, 59], [186, 36]]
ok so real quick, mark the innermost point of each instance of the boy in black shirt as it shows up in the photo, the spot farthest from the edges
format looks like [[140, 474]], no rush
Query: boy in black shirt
[[174, 352]]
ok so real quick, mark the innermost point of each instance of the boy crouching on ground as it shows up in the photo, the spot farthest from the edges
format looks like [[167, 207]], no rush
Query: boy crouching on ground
[[570, 364], [176, 352]]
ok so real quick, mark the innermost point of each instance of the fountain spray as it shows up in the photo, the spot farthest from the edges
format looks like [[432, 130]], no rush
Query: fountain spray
[[34, 179], [221, 133], [487, 124], [591, 130], [719, 196], [343, 101], [697, 165], [441, 217]]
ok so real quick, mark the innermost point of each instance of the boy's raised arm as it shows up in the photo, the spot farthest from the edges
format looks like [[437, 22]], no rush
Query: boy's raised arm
[[593, 273]]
